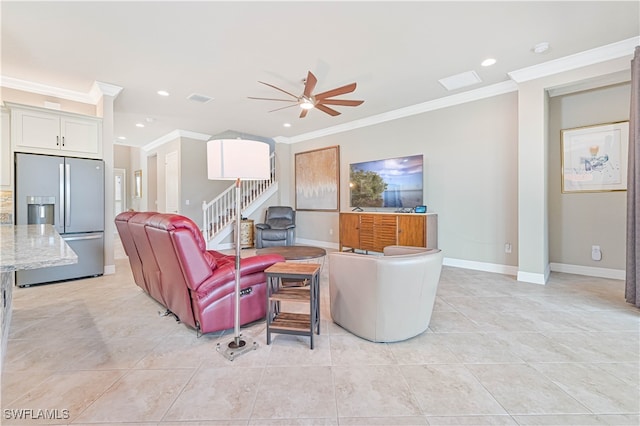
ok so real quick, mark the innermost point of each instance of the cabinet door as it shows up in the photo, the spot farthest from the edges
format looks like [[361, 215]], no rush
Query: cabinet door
[[367, 226], [411, 231], [78, 135], [349, 231], [5, 152], [33, 129], [385, 231]]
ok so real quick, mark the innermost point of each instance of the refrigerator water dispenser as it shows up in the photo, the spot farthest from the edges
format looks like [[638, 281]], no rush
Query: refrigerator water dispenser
[[40, 210]]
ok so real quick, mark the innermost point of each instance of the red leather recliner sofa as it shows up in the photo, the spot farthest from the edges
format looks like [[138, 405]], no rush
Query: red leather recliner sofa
[[170, 262]]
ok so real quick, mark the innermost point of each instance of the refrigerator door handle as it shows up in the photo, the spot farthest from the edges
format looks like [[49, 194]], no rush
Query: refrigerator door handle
[[88, 237], [60, 201], [67, 207]]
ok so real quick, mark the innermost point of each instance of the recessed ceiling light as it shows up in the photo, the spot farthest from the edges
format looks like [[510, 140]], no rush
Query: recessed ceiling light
[[139, 125], [150, 120], [488, 62], [541, 47], [287, 124], [122, 138], [163, 93]]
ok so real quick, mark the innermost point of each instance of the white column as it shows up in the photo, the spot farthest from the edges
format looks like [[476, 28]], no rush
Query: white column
[[104, 109], [533, 224]]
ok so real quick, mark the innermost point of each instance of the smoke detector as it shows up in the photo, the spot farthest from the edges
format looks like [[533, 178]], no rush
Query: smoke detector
[[541, 47]]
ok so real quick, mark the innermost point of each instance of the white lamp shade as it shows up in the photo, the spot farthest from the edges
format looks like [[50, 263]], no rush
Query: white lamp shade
[[230, 159]]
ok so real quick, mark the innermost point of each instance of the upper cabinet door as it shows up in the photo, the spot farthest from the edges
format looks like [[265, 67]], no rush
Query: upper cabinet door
[[33, 129], [6, 162], [79, 135]]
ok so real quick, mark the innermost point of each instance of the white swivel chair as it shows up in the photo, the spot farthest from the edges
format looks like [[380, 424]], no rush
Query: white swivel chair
[[384, 298]]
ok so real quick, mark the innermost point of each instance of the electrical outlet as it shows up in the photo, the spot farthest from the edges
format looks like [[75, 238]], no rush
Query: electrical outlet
[[331, 231], [187, 202], [596, 254], [507, 247]]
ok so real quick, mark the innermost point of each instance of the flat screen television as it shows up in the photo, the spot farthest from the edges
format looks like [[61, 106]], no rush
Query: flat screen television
[[392, 182]]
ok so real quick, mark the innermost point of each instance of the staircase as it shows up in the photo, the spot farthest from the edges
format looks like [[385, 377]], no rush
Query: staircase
[[219, 214]]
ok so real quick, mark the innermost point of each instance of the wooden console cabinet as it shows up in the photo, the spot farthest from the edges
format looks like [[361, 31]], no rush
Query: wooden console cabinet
[[374, 231]]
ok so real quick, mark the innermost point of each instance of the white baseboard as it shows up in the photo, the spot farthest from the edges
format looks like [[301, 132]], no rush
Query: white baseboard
[[616, 274], [109, 269], [532, 278], [325, 244], [480, 266]]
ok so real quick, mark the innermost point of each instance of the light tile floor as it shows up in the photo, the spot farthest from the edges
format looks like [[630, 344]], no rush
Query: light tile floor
[[498, 352]]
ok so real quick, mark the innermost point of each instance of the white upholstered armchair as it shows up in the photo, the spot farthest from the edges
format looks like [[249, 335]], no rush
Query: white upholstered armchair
[[384, 298]]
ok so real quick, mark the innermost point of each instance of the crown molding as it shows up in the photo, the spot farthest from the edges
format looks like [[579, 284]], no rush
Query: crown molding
[[43, 89], [98, 89], [567, 63], [457, 99], [173, 135], [593, 83]]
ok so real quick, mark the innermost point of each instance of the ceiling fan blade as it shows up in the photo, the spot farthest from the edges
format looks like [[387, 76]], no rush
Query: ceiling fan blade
[[337, 91], [272, 99], [310, 84], [328, 110], [284, 107], [343, 102], [303, 113], [277, 88]]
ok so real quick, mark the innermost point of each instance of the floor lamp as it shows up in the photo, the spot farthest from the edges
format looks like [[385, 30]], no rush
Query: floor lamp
[[237, 159]]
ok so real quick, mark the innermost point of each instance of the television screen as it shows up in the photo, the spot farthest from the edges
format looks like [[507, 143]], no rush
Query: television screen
[[393, 182]]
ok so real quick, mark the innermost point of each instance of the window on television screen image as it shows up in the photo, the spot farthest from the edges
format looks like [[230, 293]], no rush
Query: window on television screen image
[[392, 182]]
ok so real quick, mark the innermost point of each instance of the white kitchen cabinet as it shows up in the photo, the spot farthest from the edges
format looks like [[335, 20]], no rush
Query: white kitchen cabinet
[[41, 131], [6, 170]]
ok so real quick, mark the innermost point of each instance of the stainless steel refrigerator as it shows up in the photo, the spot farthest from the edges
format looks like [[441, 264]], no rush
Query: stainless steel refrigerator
[[67, 193]]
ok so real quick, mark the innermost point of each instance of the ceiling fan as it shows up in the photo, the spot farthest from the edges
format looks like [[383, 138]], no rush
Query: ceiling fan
[[308, 100]]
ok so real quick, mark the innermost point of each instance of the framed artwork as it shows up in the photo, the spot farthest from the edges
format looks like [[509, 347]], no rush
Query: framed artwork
[[317, 179], [137, 182], [594, 158]]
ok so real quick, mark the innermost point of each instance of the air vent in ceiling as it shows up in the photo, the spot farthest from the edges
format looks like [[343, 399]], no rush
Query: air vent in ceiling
[[196, 97], [460, 80]]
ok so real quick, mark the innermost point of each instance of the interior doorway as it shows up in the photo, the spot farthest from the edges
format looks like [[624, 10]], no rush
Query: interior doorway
[[119, 191], [152, 183]]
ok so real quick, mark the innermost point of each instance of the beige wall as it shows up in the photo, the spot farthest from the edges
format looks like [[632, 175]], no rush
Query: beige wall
[[470, 174], [121, 157], [195, 187], [579, 220]]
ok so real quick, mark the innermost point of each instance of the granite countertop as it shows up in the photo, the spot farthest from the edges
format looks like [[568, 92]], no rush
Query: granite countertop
[[31, 247]]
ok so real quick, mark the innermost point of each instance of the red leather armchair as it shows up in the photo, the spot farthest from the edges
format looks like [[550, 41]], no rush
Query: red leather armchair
[[170, 262]]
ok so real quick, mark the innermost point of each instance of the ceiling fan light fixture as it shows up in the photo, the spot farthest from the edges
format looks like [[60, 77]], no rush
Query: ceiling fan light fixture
[[306, 104], [308, 100]]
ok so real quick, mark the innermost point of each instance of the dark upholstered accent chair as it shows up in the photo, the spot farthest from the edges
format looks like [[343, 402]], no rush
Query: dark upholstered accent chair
[[278, 229]]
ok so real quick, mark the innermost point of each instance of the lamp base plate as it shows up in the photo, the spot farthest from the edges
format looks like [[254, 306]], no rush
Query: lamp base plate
[[235, 348]]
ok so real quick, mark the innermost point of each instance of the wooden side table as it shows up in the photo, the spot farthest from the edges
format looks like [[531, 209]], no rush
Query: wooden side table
[[246, 233], [287, 322]]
